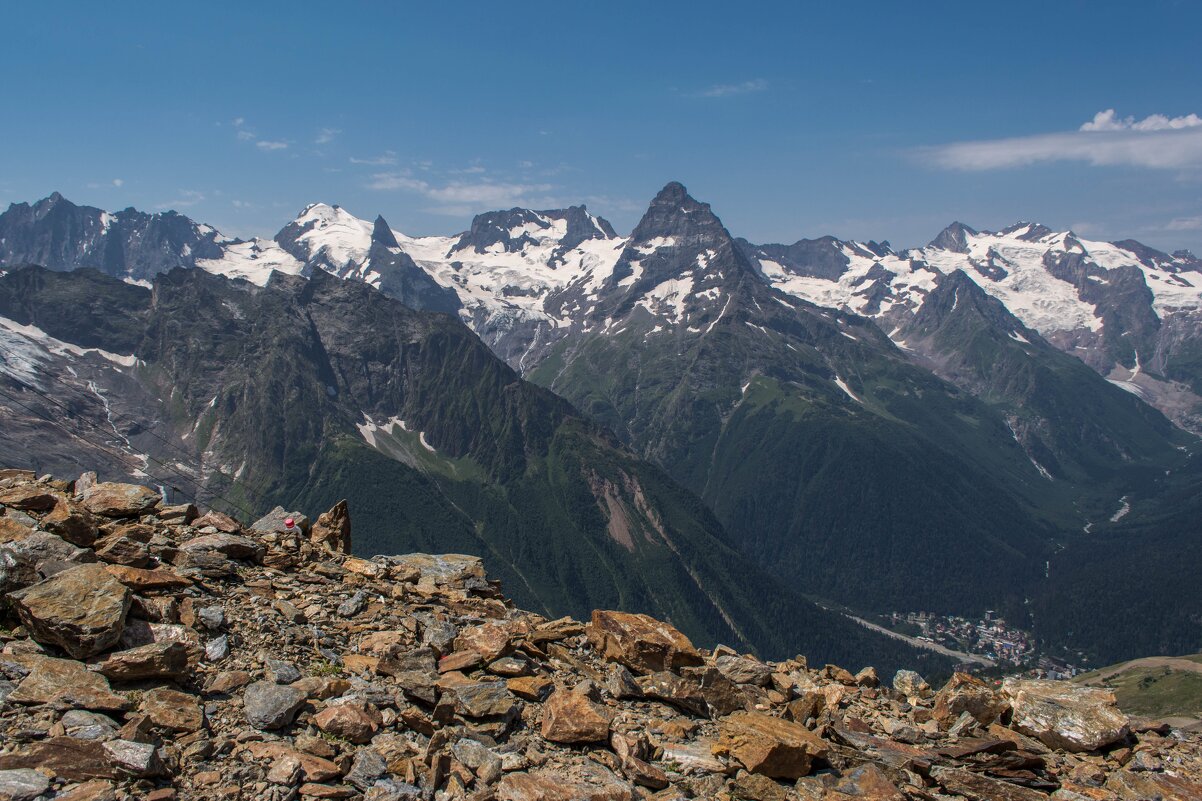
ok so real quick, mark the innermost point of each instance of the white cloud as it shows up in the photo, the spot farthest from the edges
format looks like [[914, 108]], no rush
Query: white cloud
[[730, 89], [326, 135], [245, 136], [458, 194], [1155, 142], [118, 182], [267, 144], [1109, 121], [378, 161], [239, 122]]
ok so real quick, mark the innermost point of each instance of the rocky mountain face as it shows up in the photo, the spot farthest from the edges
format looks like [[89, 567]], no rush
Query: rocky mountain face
[[129, 244], [307, 391], [149, 651], [853, 416]]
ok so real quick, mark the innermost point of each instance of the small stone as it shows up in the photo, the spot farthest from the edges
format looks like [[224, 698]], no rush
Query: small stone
[[354, 605], [367, 768], [910, 684], [217, 648], [355, 721], [136, 759], [268, 705], [173, 710], [227, 681], [282, 672]]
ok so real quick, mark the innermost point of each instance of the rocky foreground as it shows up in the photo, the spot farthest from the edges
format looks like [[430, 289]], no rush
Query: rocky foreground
[[150, 652]]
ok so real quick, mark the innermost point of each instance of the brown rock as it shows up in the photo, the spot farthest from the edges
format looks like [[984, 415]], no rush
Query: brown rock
[[65, 682], [640, 642], [489, 640], [754, 787], [72, 522], [123, 551], [530, 688], [140, 579], [81, 610], [355, 721], [976, 787], [227, 681], [153, 661], [322, 687], [484, 699], [587, 783], [312, 790], [65, 757], [1159, 786], [333, 529], [460, 660], [866, 783], [772, 747], [111, 499], [571, 718], [1064, 715], [95, 790], [965, 693], [30, 498], [218, 520], [232, 545], [313, 768], [173, 710]]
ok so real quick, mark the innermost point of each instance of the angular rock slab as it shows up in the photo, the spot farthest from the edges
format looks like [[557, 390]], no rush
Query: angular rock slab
[[81, 610], [111, 499], [1064, 715], [769, 746], [641, 643]]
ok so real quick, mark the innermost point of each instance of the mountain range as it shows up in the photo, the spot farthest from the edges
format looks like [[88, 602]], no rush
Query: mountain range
[[954, 427]]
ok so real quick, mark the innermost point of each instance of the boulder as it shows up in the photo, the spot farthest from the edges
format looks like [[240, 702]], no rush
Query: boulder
[[232, 545], [268, 705], [333, 529], [81, 610], [136, 759], [641, 643], [484, 699], [17, 570], [572, 718], [218, 520], [965, 693], [111, 499], [30, 498], [910, 684], [1064, 715], [72, 522], [744, 670], [273, 521], [64, 682], [769, 746], [68, 758]]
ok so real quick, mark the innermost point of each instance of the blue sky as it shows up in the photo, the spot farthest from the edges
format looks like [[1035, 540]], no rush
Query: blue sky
[[881, 120]]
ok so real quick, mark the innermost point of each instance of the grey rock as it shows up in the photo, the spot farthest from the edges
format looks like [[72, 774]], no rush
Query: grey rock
[[367, 768], [137, 759], [392, 790], [742, 670], [268, 705], [23, 784], [17, 570], [274, 521], [353, 605], [88, 725], [210, 617], [282, 672]]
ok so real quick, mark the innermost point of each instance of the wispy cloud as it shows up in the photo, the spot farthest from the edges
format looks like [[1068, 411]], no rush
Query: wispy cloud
[[1184, 224], [117, 182], [388, 158], [732, 89], [1155, 142], [455, 196], [267, 144], [186, 198], [326, 135]]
